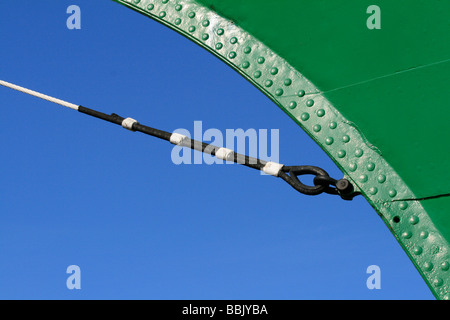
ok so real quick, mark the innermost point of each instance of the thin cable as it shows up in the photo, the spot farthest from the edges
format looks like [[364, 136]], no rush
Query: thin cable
[[39, 95], [424, 198]]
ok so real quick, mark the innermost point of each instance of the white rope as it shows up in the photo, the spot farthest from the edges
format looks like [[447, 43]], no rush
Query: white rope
[[39, 95]]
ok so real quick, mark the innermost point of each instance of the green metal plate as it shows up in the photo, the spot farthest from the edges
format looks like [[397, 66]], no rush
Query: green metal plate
[[374, 100]]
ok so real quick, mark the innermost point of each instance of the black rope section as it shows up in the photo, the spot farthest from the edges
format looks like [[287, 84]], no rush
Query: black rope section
[[323, 183]]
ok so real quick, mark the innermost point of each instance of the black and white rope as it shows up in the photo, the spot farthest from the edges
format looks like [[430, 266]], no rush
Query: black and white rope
[[323, 183]]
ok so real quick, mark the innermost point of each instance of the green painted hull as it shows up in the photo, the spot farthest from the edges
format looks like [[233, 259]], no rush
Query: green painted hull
[[374, 99]]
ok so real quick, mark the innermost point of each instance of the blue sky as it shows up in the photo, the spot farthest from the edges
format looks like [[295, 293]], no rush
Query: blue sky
[[79, 191]]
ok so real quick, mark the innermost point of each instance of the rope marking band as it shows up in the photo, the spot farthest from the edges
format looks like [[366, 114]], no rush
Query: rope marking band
[[273, 168], [225, 154], [128, 123], [178, 139]]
